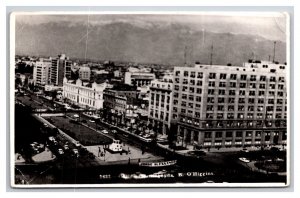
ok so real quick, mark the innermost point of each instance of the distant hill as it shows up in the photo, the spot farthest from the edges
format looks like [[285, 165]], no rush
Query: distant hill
[[122, 41]]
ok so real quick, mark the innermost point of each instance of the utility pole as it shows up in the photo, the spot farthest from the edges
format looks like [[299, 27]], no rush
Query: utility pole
[[274, 49], [211, 53]]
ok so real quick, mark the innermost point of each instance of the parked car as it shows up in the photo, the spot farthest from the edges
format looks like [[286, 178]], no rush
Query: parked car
[[66, 147], [60, 151], [51, 138], [75, 152], [114, 131], [92, 121]]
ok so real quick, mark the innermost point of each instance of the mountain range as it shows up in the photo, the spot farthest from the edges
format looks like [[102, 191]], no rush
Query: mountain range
[[171, 44]]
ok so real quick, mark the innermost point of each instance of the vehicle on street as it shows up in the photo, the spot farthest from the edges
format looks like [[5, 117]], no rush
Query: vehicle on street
[[76, 116], [66, 147], [245, 150], [51, 138], [75, 152], [104, 131], [114, 131], [92, 121], [243, 159], [77, 144], [60, 151], [147, 136]]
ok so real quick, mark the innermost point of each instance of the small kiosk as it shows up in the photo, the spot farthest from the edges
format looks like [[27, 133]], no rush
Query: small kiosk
[[116, 146]]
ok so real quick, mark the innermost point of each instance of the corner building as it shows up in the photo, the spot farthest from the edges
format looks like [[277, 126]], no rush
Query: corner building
[[230, 106]]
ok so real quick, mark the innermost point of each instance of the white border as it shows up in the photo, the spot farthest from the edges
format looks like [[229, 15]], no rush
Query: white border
[[136, 185]]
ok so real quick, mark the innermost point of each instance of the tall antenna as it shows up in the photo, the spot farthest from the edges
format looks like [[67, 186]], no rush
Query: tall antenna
[[87, 37], [185, 48], [274, 51], [211, 53], [269, 58]]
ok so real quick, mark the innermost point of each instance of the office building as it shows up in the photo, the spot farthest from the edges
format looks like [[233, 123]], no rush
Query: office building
[[41, 72], [159, 113], [230, 106], [60, 68]]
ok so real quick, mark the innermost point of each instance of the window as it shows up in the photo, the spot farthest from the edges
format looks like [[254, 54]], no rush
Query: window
[[176, 87], [263, 78], [252, 85], [185, 81], [272, 79], [230, 115], [250, 108], [229, 134], [230, 108], [251, 100], [280, 93], [231, 100], [191, 105], [184, 96], [252, 78], [198, 98], [258, 133], [193, 74], [186, 74], [210, 99], [183, 111], [222, 84], [239, 134], [207, 135], [211, 83], [221, 100], [233, 77], [200, 75], [280, 86], [183, 103], [261, 93], [272, 86], [177, 80], [271, 93], [199, 83], [241, 100], [192, 89], [221, 108], [198, 105], [262, 86], [218, 134], [232, 84], [251, 93], [177, 73], [212, 75], [231, 92], [176, 95], [279, 101], [242, 85], [281, 79], [222, 76], [211, 91], [198, 90], [192, 82], [243, 77], [184, 88], [241, 108], [222, 92], [209, 108], [270, 101], [175, 102], [191, 97], [242, 92]]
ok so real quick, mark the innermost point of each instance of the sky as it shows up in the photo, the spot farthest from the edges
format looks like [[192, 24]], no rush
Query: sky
[[271, 26]]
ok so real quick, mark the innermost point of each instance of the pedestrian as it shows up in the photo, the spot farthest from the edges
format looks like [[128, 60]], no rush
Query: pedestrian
[[129, 160]]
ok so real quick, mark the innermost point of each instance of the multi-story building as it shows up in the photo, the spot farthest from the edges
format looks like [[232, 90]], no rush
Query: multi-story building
[[139, 78], [159, 113], [41, 72], [231, 106], [84, 94], [60, 68], [84, 73]]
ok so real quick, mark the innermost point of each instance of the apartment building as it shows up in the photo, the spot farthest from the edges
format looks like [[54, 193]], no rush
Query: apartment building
[[41, 72], [231, 106], [60, 68]]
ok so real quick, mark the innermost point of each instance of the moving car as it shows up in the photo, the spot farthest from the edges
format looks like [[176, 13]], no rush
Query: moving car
[[104, 131]]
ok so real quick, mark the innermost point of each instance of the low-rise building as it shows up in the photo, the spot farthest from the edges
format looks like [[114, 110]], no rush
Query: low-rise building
[[84, 94]]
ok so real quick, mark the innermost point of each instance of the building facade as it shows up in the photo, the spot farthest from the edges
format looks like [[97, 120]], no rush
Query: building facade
[[139, 78], [159, 112], [60, 68], [230, 106], [41, 72], [84, 95], [84, 73]]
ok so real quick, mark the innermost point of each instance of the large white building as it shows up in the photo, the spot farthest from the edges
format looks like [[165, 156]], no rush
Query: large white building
[[41, 72], [231, 106], [84, 94]]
